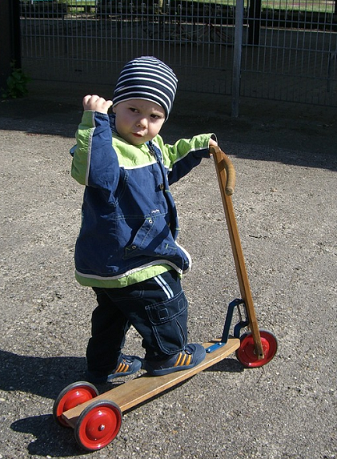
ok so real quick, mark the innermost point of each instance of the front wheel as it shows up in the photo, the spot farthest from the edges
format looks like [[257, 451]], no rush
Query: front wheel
[[246, 353], [98, 425]]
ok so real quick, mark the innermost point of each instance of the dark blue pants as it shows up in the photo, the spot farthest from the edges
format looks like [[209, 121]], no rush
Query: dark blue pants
[[157, 308]]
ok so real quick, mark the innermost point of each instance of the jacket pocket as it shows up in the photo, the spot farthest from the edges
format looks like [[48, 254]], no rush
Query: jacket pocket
[[153, 239], [169, 323]]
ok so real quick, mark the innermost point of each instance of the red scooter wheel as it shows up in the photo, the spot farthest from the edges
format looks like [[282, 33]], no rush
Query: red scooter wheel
[[71, 396], [98, 425], [246, 353]]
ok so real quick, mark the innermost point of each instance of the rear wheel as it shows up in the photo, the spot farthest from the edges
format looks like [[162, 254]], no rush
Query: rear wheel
[[98, 425], [71, 396]]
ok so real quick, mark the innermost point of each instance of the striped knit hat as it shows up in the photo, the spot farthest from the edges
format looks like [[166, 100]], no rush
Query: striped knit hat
[[147, 78]]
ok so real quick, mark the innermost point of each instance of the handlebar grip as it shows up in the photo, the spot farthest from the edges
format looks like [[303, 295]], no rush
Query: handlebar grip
[[223, 162]]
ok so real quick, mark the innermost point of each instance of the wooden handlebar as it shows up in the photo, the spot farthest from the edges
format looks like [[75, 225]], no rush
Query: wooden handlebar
[[226, 178], [223, 163]]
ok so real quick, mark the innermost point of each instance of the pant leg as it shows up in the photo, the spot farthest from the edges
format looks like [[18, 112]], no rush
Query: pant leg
[[158, 309], [108, 329]]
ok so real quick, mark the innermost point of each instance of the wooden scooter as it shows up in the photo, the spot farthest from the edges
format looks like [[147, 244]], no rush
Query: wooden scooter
[[96, 419]]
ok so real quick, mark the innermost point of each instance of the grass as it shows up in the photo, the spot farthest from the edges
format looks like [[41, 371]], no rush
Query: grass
[[323, 6]]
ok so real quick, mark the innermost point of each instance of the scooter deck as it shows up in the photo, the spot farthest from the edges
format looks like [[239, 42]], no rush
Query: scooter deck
[[145, 387]]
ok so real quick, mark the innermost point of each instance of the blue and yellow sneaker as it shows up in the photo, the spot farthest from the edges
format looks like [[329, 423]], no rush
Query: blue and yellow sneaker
[[192, 355], [127, 365]]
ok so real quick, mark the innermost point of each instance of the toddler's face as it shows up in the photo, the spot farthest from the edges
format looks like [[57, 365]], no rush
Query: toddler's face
[[138, 120]]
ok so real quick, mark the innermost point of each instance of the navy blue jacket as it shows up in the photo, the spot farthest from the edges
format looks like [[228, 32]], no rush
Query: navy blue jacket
[[129, 218]]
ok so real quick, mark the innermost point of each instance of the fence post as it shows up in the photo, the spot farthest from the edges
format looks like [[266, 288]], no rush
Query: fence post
[[237, 57], [10, 38]]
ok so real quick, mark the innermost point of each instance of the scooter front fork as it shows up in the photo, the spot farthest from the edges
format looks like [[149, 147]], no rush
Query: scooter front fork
[[243, 322]]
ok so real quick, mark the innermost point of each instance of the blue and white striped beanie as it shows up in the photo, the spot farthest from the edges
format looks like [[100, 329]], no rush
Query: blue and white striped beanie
[[147, 78]]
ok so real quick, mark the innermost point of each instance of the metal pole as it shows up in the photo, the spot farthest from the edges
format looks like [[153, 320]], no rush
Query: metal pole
[[237, 57]]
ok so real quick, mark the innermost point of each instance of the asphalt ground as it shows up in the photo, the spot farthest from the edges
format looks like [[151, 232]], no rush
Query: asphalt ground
[[285, 203]]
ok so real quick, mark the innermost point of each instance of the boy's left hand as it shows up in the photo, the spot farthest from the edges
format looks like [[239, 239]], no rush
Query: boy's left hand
[[212, 143]]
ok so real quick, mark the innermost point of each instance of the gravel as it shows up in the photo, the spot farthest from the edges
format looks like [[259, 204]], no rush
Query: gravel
[[285, 204]]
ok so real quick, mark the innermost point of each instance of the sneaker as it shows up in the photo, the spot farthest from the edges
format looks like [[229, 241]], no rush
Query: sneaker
[[192, 355], [127, 365]]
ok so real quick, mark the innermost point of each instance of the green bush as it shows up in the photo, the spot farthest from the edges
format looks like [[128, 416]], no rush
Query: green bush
[[16, 84]]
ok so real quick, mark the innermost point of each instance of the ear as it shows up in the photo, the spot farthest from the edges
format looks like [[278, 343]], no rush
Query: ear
[[113, 109]]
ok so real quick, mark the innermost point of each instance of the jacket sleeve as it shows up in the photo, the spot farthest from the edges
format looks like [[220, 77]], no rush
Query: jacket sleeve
[[95, 162], [185, 154]]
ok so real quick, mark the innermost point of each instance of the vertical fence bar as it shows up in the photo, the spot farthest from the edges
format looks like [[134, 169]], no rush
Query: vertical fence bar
[[237, 57]]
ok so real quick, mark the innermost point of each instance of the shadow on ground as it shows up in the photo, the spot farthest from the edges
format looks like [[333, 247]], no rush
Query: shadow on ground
[[307, 132], [46, 377]]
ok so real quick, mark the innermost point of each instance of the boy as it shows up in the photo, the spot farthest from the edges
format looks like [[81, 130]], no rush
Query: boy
[[127, 250]]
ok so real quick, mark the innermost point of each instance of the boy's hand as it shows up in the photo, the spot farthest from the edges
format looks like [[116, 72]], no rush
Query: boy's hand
[[96, 104], [212, 143]]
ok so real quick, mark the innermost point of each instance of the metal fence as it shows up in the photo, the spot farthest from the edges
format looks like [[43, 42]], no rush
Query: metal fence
[[273, 49]]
